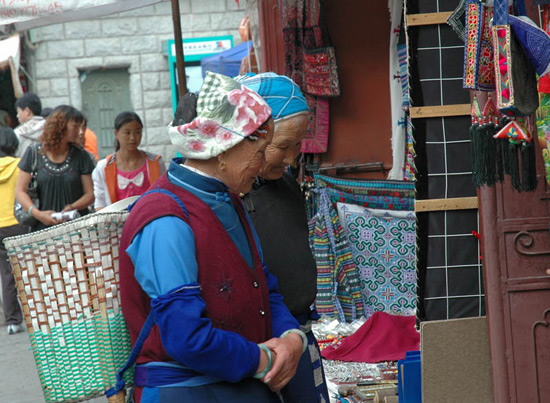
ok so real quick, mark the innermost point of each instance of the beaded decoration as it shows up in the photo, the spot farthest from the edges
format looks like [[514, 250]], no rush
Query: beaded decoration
[[54, 167], [471, 49]]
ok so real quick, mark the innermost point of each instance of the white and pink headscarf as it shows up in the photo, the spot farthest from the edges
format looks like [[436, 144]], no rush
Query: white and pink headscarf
[[227, 112]]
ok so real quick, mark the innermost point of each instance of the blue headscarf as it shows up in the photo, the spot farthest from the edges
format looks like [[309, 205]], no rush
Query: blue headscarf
[[280, 92]]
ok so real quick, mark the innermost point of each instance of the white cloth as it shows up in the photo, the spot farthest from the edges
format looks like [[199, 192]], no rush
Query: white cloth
[[29, 134], [397, 113], [227, 113]]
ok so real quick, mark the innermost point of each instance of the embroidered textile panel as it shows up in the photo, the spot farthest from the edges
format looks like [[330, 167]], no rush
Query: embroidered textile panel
[[383, 244]]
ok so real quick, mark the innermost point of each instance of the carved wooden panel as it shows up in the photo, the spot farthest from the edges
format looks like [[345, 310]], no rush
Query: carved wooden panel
[[529, 360], [527, 250], [516, 254]]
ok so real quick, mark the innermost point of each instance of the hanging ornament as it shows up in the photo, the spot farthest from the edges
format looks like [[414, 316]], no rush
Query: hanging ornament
[[484, 155], [517, 133]]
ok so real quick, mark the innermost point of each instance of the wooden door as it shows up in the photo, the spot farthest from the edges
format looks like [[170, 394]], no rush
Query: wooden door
[[105, 93], [516, 255]]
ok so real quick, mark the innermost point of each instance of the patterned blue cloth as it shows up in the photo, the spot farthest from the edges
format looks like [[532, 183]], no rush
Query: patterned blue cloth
[[280, 92]]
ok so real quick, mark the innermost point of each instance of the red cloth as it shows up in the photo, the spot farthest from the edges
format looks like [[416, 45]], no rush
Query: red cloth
[[383, 337]]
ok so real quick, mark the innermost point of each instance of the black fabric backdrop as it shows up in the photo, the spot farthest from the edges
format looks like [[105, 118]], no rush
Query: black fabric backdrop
[[449, 267]]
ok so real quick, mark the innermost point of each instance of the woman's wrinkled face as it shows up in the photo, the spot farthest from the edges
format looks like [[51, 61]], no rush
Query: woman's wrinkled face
[[244, 161], [285, 146], [129, 136]]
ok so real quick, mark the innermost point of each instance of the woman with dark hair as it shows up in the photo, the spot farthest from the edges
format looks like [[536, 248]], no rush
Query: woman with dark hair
[[129, 171], [8, 226], [63, 169]]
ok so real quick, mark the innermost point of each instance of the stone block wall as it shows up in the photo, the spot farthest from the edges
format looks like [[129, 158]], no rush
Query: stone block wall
[[133, 38]]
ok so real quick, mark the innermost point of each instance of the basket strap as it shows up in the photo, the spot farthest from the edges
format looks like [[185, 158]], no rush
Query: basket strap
[[143, 334], [166, 192]]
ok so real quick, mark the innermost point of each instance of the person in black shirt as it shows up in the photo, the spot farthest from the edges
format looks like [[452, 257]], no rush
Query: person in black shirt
[[277, 210], [63, 169]]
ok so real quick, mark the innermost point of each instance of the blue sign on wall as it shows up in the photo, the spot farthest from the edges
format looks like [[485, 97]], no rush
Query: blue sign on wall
[[194, 49]]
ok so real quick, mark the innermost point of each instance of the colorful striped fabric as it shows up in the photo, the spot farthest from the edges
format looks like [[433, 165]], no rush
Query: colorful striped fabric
[[338, 291], [372, 193], [410, 154]]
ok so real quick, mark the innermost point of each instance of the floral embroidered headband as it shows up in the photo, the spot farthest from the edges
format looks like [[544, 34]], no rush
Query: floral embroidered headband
[[227, 113]]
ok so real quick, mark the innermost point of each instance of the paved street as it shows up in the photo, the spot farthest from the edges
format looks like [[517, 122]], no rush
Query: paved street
[[19, 381]]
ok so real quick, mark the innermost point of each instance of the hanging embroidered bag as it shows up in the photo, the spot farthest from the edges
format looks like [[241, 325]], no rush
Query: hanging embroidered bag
[[21, 215], [319, 57], [321, 72], [515, 76], [479, 68], [534, 41]]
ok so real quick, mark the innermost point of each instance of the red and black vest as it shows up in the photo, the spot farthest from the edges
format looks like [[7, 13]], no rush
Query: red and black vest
[[236, 297]]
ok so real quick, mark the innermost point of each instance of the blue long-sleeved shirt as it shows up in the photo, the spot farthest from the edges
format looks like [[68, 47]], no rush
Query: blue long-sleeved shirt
[[163, 254]]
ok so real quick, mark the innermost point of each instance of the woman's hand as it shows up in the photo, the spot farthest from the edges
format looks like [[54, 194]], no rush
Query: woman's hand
[[68, 207], [45, 217], [286, 355]]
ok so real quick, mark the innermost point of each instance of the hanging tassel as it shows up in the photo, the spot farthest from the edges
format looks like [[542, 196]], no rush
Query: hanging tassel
[[481, 154], [528, 167], [501, 146], [490, 154], [473, 153], [503, 121], [512, 161]]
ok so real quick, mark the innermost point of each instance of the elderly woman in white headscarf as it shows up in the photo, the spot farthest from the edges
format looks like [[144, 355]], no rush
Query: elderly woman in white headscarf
[[277, 209], [205, 316]]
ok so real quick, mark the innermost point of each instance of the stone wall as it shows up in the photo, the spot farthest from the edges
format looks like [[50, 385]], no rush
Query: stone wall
[[132, 38]]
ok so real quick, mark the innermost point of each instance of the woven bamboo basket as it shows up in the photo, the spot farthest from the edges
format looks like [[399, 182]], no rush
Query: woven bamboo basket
[[67, 280]]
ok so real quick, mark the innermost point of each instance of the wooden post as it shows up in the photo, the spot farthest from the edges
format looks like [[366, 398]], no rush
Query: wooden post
[[180, 63]]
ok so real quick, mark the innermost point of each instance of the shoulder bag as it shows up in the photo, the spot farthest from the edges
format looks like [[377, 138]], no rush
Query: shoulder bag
[[22, 215], [516, 79]]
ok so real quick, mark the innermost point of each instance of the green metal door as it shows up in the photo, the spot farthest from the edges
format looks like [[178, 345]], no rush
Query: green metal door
[[105, 93]]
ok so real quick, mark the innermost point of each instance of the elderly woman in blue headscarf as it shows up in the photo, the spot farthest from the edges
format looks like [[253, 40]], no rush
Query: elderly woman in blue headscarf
[[205, 316], [277, 209]]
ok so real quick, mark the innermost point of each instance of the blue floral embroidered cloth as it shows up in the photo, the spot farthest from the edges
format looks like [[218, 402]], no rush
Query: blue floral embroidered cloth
[[383, 244]]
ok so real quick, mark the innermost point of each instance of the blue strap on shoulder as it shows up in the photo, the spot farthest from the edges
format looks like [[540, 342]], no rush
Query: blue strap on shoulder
[[143, 334], [150, 321], [166, 192]]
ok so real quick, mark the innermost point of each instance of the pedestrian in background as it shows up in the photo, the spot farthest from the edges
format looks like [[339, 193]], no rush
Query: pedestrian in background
[[28, 109], [64, 169], [277, 209], [129, 171], [89, 140], [9, 226], [46, 112], [5, 117]]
